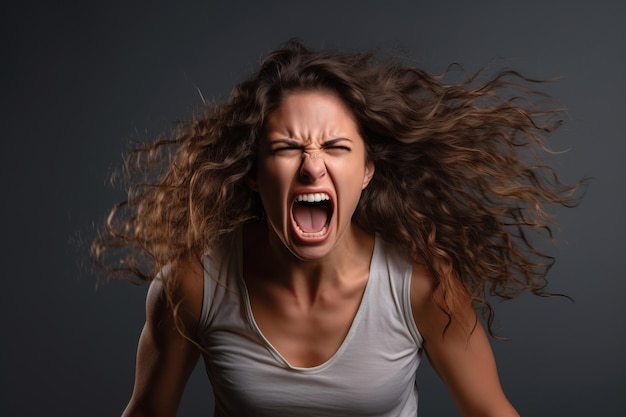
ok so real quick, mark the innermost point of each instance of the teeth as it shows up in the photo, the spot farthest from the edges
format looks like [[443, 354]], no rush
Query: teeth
[[315, 234], [313, 197]]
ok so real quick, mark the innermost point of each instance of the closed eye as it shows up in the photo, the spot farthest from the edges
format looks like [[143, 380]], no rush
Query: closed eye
[[287, 149], [337, 150], [337, 146]]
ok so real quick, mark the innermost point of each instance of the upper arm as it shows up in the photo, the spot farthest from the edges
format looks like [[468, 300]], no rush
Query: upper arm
[[459, 351], [166, 358]]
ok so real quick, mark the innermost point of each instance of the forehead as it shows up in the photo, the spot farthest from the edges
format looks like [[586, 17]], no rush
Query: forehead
[[310, 116]]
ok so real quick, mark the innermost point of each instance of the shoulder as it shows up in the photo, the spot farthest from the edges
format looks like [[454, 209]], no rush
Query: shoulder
[[422, 287], [422, 292], [440, 305], [177, 291]]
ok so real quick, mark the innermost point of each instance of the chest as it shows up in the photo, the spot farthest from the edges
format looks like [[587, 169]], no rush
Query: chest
[[368, 370], [371, 373], [306, 333]]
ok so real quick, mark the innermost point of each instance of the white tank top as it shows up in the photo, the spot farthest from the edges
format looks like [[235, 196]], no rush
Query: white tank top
[[371, 374]]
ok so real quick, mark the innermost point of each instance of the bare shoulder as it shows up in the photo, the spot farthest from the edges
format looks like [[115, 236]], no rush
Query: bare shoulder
[[425, 310], [178, 286], [436, 308], [422, 287]]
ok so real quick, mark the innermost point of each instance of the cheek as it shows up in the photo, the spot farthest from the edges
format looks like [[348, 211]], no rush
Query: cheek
[[273, 183], [276, 175], [350, 174], [350, 188]]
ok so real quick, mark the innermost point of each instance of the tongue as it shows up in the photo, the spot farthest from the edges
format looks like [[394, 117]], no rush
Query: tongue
[[310, 218]]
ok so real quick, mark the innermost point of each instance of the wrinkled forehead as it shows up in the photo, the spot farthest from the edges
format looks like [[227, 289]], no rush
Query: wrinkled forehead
[[311, 116]]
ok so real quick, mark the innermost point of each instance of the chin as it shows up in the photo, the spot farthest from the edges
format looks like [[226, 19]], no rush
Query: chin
[[310, 248]]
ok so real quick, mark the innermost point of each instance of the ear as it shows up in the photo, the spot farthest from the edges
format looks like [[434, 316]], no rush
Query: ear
[[369, 173]]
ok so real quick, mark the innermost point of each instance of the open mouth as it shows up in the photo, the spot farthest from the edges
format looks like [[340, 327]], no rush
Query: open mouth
[[312, 213]]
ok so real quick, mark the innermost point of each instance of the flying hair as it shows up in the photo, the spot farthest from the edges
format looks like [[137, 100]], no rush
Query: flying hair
[[460, 184]]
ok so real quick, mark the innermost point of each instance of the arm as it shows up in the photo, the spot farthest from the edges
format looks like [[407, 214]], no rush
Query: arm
[[165, 359], [461, 355]]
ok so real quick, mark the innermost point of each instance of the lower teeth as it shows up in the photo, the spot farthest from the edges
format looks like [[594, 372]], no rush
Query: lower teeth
[[312, 234]]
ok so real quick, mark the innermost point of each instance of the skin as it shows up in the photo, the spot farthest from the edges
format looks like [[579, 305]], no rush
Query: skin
[[165, 359], [312, 145], [312, 286]]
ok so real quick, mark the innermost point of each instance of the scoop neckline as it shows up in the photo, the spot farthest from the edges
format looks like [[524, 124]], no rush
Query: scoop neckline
[[268, 345]]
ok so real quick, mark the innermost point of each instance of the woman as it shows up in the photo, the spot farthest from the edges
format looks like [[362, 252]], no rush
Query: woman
[[331, 221]]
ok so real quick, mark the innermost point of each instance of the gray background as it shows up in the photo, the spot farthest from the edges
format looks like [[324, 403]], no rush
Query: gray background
[[80, 79]]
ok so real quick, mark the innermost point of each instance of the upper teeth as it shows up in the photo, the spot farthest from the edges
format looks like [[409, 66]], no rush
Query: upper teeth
[[313, 198]]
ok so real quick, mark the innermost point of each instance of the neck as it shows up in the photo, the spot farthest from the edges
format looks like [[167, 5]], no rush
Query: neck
[[307, 278]]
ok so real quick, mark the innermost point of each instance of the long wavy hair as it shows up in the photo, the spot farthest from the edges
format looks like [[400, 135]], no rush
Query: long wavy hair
[[459, 185]]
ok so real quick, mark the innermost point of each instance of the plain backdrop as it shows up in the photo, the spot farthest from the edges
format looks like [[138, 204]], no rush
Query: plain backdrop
[[80, 80]]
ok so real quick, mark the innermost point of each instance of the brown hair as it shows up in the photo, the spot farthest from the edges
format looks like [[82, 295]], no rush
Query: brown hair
[[458, 186]]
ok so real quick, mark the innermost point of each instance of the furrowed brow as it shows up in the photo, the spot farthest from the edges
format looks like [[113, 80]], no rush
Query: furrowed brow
[[335, 141], [288, 142]]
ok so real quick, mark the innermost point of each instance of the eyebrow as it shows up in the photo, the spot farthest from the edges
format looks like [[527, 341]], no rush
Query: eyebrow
[[292, 142], [289, 142], [334, 141]]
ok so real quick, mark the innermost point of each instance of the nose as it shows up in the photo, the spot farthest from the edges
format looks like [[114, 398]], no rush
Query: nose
[[313, 166]]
